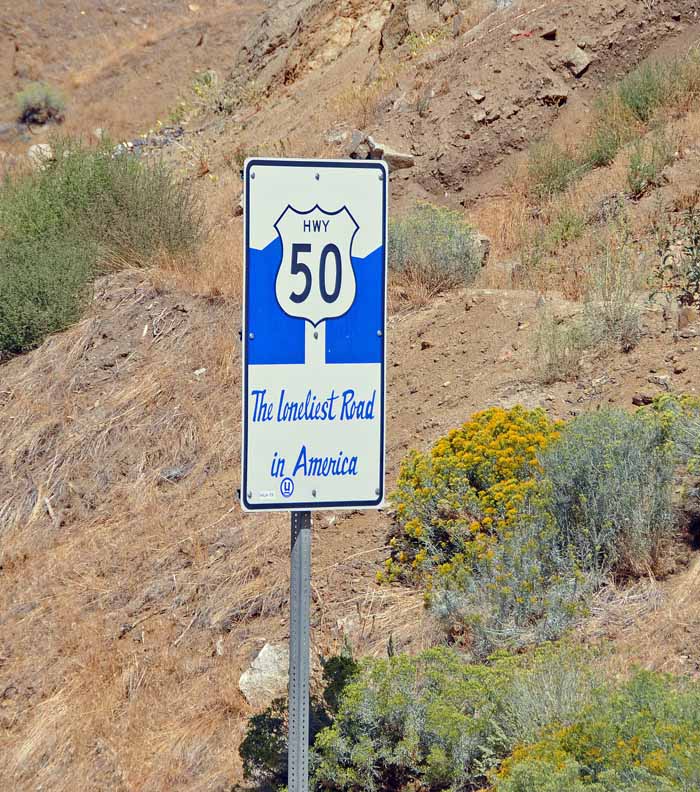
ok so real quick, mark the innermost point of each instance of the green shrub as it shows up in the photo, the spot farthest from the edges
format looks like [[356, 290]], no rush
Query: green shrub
[[647, 161], [439, 722], [566, 226], [470, 525], [621, 116], [39, 103], [44, 285], [641, 737], [551, 169], [434, 246], [677, 275], [132, 209], [83, 212], [610, 480], [645, 89]]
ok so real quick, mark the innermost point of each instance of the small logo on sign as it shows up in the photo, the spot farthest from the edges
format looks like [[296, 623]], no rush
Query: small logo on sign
[[287, 487]]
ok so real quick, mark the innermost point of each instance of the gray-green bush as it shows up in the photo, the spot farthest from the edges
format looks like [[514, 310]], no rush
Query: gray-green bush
[[39, 103], [44, 285], [440, 722], [434, 246], [527, 590], [82, 213], [610, 478]]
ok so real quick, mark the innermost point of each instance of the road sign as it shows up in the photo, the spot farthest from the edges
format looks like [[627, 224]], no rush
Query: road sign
[[314, 334]]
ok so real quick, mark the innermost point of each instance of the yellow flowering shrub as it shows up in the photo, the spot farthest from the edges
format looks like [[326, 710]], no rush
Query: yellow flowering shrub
[[456, 502]]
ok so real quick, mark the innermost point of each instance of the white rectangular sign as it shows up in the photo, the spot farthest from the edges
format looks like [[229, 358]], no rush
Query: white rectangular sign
[[314, 319]]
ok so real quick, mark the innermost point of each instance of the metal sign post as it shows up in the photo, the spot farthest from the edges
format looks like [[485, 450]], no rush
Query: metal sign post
[[314, 321], [299, 651]]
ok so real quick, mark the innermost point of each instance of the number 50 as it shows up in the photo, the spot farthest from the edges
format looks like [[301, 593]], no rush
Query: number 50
[[299, 267]]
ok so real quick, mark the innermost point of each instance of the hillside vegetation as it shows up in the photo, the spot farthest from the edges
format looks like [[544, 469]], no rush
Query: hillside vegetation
[[523, 614]]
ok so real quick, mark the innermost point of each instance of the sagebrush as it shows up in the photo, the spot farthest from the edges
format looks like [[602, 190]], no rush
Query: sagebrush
[[433, 249], [85, 211]]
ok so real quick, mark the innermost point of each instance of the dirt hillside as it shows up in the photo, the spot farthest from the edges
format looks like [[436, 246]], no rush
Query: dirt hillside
[[133, 590]]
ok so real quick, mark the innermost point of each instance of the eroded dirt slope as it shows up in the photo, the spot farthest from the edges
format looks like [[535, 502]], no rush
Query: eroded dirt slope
[[122, 66]]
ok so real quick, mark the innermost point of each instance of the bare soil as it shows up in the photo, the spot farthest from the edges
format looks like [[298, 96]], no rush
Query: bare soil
[[133, 590]]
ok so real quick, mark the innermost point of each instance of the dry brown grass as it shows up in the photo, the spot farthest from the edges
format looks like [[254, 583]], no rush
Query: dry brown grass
[[134, 591]]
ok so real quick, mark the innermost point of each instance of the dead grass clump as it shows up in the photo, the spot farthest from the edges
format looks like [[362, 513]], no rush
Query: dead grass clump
[[559, 346], [358, 105]]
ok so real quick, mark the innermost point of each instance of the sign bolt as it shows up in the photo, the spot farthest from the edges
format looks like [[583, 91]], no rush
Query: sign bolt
[[318, 177], [313, 492], [379, 332], [377, 491], [315, 333], [251, 336], [252, 175], [250, 493]]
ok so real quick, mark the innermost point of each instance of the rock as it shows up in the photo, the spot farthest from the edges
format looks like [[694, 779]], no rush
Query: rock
[[505, 354], [396, 28], [476, 95], [421, 18], [374, 21], [484, 247], [267, 678], [479, 117], [662, 380], [555, 93], [680, 368], [549, 32], [361, 152], [577, 61], [457, 25], [376, 151], [676, 16], [40, 154], [340, 35], [397, 159], [642, 399], [336, 137], [238, 207], [425, 345], [175, 473]]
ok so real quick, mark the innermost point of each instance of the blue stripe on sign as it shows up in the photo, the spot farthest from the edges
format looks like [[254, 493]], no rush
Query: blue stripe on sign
[[277, 338], [353, 337]]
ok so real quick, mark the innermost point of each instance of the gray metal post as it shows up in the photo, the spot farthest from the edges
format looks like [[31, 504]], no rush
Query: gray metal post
[[299, 651]]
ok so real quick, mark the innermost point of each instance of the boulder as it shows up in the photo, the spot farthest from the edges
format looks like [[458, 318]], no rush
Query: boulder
[[268, 676], [553, 93], [577, 61], [396, 28], [40, 154], [397, 159]]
